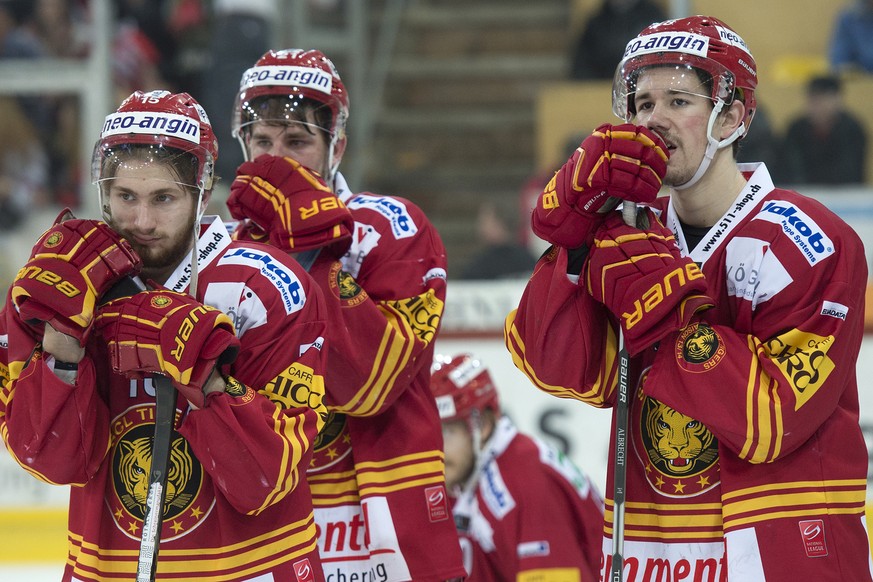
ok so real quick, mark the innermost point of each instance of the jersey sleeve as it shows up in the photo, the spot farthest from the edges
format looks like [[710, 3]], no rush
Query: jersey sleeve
[[788, 363], [56, 431], [552, 310], [390, 307], [255, 439]]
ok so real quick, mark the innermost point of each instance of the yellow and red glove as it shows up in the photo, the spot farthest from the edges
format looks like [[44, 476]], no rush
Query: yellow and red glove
[[291, 204], [625, 162], [641, 277], [164, 332], [72, 264]]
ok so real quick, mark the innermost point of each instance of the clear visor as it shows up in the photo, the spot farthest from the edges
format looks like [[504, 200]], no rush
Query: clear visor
[[681, 73], [140, 159], [281, 110]]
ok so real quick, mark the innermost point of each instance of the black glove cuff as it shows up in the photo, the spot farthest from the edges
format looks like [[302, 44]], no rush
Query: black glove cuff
[[576, 260]]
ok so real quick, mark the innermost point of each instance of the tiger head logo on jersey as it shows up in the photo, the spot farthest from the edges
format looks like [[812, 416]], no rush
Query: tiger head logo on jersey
[[135, 458], [680, 453], [185, 505]]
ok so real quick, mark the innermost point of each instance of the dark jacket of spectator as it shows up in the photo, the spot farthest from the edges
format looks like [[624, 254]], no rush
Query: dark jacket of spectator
[[603, 39]]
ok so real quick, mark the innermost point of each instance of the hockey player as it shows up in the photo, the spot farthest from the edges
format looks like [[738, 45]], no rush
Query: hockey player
[[523, 510], [77, 403], [742, 307], [377, 476]]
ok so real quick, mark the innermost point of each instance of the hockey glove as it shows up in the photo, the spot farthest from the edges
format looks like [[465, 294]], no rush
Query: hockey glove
[[72, 264], [641, 277], [624, 162], [292, 204], [164, 332]]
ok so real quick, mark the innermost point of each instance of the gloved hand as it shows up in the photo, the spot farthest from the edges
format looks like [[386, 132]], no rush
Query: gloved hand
[[641, 277], [164, 332], [72, 264], [624, 162], [291, 204]]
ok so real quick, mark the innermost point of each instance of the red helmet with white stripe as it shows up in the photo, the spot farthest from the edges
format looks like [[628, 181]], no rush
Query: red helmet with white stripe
[[291, 75], [461, 384], [171, 125], [699, 42]]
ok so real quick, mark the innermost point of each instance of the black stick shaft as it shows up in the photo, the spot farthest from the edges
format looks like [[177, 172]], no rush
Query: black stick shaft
[[619, 475], [165, 411]]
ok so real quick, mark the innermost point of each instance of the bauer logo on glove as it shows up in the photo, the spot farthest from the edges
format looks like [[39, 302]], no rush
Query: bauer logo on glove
[[169, 333], [642, 278], [614, 163], [71, 266], [291, 203]]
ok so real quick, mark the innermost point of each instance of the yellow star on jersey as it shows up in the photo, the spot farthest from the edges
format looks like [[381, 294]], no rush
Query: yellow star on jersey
[[119, 514], [659, 482], [177, 527], [133, 527], [332, 453], [678, 487], [196, 513], [703, 481]]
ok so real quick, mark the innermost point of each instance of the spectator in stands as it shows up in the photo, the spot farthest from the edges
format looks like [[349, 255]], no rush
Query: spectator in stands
[[851, 45], [23, 165], [502, 255], [150, 17], [251, 26], [16, 40], [826, 144], [61, 26], [760, 145], [603, 38]]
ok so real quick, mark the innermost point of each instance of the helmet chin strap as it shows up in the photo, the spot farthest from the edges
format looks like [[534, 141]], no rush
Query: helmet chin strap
[[474, 423], [195, 270], [712, 146], [332, 162]]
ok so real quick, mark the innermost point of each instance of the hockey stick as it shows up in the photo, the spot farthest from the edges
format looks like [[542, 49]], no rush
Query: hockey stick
[[165, 413], [622, 406]]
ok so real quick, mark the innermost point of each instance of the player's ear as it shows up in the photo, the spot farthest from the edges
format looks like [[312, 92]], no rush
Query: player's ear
[[339, 149], [731, 118], [489, 422]]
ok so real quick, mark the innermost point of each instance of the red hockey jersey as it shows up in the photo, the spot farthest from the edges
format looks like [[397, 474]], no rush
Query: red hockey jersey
[[529, 514], [377, 476], [745, 460], [238, 505]]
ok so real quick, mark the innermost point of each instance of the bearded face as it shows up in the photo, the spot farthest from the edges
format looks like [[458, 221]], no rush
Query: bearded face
[[155, 213]]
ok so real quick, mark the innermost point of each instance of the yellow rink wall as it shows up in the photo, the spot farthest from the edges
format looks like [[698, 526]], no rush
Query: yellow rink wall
[[33, 536]]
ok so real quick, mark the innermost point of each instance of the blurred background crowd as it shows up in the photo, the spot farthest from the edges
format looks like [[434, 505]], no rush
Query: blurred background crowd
[[466, 108]]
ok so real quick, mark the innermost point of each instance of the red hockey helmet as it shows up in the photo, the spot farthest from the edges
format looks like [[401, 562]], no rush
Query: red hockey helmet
[[291, 74], [700, 42], [170, 124], [462, 384]]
